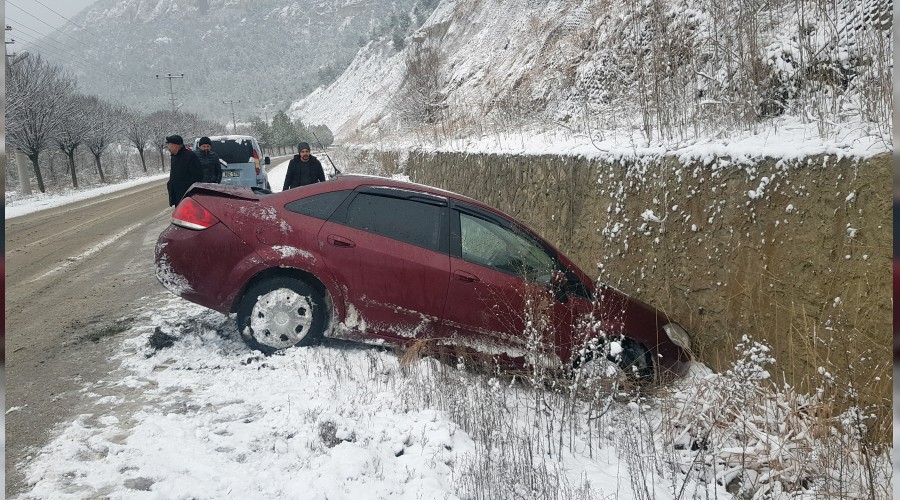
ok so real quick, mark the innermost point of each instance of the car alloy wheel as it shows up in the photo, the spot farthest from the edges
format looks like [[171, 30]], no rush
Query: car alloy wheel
[[280, 313], [632, 363]]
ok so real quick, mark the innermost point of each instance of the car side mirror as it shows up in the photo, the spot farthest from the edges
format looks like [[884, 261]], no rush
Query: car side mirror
[[558, 279], [558, 284], [267, 161]]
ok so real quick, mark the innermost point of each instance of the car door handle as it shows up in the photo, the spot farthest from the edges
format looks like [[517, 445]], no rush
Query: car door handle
[[465, 277], [340, 242]]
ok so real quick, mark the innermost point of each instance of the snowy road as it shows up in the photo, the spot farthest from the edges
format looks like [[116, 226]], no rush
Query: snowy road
[[78, 270], [74, 275]]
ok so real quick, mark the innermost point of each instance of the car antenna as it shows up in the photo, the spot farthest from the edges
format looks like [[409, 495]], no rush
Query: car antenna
[[337, 172]]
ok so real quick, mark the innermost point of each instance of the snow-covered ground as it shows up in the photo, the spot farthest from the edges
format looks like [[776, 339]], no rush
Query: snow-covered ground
[[208, 418], [17, 205], [191, 412]]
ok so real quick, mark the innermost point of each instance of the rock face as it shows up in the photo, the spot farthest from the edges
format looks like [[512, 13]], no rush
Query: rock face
[[796, 254]]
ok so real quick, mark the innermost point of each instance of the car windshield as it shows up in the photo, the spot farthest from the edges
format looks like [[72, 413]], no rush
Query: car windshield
[[234, 151]]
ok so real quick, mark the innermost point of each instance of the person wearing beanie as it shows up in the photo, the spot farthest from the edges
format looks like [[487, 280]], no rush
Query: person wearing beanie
[[303, 169], [209, 160], [185, 169]]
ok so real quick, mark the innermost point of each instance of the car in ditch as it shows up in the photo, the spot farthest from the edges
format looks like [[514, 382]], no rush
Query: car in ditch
[[242, 161], [388, 261]]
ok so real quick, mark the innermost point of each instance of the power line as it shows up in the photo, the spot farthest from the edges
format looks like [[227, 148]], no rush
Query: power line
[[64, 50], [43, 22], [65, 53], [53, 50], [37, 35], [48, 49], [69, 20]]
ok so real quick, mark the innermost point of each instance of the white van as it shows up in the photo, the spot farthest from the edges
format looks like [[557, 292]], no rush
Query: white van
[[243, 163]]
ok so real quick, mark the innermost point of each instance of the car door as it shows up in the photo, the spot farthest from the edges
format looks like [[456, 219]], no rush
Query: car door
[[499, 300], [387, 250]]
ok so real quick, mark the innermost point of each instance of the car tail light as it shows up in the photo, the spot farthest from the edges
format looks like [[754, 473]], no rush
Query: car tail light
[[193, 215], [256, 161]]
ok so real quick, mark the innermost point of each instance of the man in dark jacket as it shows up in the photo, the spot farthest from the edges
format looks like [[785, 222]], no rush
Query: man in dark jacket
[[185, 170], [209, 160], [303, 169]]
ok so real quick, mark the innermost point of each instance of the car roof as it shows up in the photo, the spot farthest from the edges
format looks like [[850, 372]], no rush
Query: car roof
[[352, 181], [229, 138]]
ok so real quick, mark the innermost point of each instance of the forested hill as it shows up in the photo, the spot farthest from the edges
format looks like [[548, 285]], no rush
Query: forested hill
[[261, 52]]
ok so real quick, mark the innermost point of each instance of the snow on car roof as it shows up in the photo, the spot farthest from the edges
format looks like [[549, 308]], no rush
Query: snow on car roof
[[231, 137]]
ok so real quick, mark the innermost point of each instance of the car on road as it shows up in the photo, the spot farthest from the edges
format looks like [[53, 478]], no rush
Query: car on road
[[386, 261], [243, 162]]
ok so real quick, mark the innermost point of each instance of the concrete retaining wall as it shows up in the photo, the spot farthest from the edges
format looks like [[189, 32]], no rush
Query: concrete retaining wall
[[794, 253]]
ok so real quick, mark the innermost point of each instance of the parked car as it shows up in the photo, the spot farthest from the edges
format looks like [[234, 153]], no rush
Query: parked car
[[241, 156], [383, 260]]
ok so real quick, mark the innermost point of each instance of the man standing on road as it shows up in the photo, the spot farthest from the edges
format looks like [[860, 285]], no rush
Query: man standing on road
[[186, 169], [212, 168], [303, 169]]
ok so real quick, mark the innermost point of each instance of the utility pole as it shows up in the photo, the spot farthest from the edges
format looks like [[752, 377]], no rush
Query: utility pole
[[266, 111], [8, 55], [170, 76], [233, 122], [21, 158], [15, 57]]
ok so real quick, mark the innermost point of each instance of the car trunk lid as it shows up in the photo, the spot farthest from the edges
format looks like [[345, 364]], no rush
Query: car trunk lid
[[239, 192]]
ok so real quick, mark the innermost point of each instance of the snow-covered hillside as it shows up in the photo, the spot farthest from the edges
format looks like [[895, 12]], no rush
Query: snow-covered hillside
[[608, 74]]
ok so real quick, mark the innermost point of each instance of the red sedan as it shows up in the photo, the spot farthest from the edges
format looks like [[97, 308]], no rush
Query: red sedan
[[376, 259]]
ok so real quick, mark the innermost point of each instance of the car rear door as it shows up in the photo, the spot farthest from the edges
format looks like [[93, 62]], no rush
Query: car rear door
[[387, 249]]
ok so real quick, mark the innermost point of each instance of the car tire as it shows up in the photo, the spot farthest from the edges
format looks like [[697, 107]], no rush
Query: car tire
[[634, 362], [279, 313]]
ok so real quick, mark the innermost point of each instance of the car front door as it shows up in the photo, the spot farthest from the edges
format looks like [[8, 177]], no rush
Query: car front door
[[387, 249], [499, 301]]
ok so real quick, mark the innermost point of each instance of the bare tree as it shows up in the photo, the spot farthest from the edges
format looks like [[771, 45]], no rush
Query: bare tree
[[106, 126], [187, 125], [423, 97], [161, 125], [138, 132], [74, 128], [38, 97]]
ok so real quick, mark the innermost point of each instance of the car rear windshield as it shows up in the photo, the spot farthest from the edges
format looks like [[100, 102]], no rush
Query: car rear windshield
[[234, 151]]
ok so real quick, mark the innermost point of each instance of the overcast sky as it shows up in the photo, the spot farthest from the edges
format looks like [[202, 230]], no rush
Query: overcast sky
[[32, 19]]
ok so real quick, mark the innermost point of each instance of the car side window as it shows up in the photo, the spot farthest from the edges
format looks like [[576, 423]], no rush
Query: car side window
[[405, 220], [491, 245], [320, 206]]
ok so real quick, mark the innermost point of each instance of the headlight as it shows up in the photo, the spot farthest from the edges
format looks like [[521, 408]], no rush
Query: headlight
[[678, 335]]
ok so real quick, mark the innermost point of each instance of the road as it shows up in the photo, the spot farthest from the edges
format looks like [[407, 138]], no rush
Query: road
[[74, 274]]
